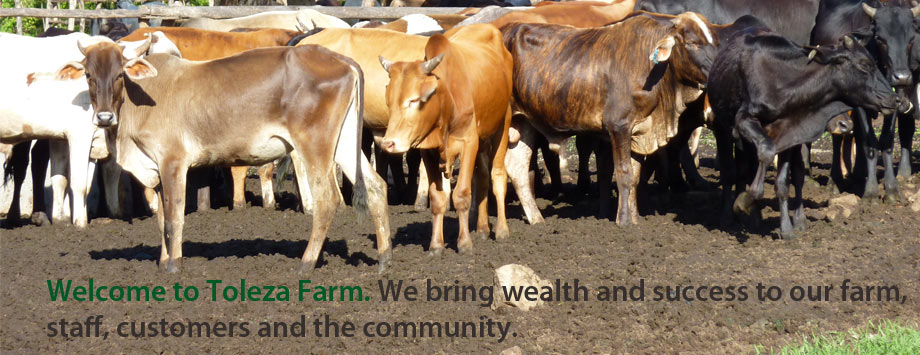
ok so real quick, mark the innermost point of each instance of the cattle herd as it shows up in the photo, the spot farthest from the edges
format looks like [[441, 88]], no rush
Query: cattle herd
[[633, 81]]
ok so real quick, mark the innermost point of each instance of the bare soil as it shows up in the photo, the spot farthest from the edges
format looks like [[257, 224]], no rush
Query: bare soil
[[682, 245]]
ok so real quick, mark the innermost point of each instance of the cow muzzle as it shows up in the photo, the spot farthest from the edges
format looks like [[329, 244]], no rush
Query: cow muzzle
[[901, 78], [105, 119], [394, 146], [840, 124]]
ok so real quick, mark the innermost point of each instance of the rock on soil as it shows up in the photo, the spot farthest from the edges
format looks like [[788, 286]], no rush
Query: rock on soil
[[514, 275]]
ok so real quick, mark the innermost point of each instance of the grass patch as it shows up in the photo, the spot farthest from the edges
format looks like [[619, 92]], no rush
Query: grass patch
[[887, 337]]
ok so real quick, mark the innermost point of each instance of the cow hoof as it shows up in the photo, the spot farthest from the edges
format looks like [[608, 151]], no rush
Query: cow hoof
[[173, 266], [239, 205], [421, 205], [465, 249], [870, 194], [384, 262], [436, 251], [788, 235], [904, 171], [40, 219], [483, 234], [502, 234], [743, 205], [892, 198]]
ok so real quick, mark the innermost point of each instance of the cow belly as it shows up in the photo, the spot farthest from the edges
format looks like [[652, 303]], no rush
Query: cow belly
[[14, 127], [267, 150]]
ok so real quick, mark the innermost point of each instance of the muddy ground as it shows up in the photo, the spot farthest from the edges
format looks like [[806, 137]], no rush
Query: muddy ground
[[684, 245]]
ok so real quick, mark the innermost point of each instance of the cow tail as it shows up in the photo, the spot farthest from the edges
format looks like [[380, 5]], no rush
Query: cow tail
[[356, 108]]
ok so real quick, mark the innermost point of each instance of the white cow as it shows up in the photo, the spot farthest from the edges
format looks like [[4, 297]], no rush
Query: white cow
[[33, 106], [288, 20]]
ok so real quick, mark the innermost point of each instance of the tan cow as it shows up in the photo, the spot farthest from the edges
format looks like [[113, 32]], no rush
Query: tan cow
[[196, 44], [305, 101], [288, 20], [456, 104], [581, 14]]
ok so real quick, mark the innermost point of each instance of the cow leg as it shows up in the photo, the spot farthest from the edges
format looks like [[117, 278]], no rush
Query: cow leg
[[157, 196], [865, 138], [551, 160], [154, 201], [886, 146], [19, 163], [421, 194], [319, 175], [500, 180], [438, 191], [605, 161], [627, 178], [462, 194], [59, 181], [517, 165], [750, 129], [239, 186], [797, 169], [906, 127], [838, 167], [173, 175], [369, 189], [480, 185], [694, 145], [111, 178], [79, 177], [303, 185], [782, 194], [201, 181], [265, 178], [585, 146], [41, 156]]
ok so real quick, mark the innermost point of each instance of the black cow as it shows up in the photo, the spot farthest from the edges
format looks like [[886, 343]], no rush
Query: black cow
[[775, 95], [887, 32], [793, 19]]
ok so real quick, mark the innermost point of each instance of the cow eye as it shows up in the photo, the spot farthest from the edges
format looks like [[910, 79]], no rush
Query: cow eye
[[86, 73]]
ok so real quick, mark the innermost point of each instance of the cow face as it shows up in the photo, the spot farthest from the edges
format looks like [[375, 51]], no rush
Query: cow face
[[892, 31], [691, 47], [105, 68], [412, 97], [853, 71]]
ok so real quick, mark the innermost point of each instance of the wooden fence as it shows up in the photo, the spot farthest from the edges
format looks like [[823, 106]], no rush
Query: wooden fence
[[219, 12]]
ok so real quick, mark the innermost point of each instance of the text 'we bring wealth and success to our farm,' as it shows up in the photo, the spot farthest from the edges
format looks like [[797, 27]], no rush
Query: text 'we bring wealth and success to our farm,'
[[401, 291]]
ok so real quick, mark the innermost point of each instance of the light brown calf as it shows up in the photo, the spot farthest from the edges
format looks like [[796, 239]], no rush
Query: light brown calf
[[456, 104], [305, 101]]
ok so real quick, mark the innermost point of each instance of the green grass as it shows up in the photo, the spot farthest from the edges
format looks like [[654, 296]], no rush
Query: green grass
[[888, 337]]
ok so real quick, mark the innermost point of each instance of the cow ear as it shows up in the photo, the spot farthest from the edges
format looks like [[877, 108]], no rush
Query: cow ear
[[663, 50], [138, 68], [428, 89], [70, 71]]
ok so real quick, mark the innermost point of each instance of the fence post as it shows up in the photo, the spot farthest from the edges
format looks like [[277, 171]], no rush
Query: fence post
[[18, 18]]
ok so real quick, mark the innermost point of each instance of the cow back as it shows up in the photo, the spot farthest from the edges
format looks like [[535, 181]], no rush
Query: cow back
[[364, 45], [196, 44]]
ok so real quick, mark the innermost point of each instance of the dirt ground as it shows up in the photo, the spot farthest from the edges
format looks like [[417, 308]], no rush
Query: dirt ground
[[682, 246]]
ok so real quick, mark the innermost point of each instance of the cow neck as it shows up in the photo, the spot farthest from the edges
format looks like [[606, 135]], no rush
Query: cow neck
[[809, 88]]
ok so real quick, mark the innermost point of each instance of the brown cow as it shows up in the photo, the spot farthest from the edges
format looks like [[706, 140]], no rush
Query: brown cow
[[365, 46], [196, 44], [581, 14], [629, 81], [305, 101], [457, 101]]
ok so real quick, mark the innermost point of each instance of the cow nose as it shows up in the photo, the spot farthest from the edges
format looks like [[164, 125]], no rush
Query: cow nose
[[104, 118], [388, 145], [901, 78]]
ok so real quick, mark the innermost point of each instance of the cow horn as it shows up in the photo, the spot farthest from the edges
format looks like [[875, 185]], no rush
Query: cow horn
[[85, 43], [848, 42], [812, 54], [301, 26], [915, 11], [869, 10], [429, 65], [385, 63], [142, 49]]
